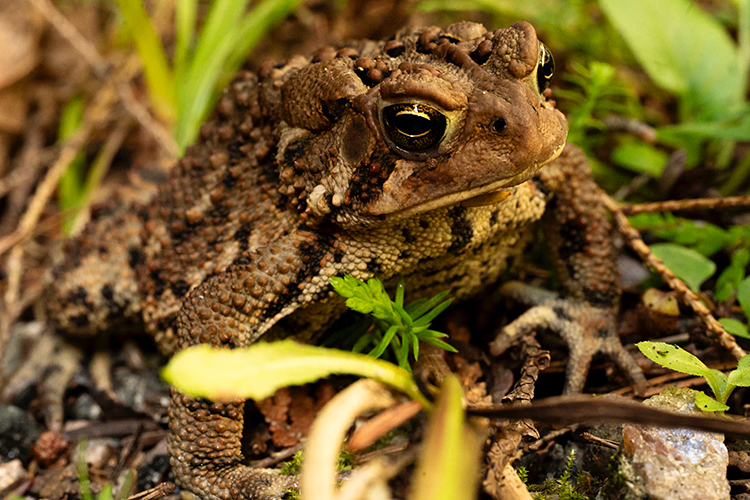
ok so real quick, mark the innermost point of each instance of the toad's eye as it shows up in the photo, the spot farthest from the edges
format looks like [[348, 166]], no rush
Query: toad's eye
[[545, 68], [413, 127]]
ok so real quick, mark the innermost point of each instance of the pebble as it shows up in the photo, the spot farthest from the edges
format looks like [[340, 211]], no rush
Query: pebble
[[673, 464]]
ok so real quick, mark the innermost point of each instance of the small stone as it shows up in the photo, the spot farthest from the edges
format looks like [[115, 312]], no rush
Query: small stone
[[10, 472], [673, 464], [17, 433]]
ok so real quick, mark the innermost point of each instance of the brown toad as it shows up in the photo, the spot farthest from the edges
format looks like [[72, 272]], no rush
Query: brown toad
[[418, 156]]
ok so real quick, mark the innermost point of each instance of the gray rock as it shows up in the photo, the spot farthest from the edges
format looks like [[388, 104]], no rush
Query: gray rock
[[673, 464], [17, 433]]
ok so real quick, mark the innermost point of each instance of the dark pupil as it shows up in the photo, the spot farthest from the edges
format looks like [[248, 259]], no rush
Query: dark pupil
[[546, 69], [411, 124], [413, 127]]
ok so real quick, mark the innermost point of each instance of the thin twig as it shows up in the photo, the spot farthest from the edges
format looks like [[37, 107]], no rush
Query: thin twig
[[163, 137], [72, 35], [101, 67], [691, 204], [158, 491], [635, 241]]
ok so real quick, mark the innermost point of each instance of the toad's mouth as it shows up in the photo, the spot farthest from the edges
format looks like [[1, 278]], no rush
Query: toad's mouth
[[488, 194]]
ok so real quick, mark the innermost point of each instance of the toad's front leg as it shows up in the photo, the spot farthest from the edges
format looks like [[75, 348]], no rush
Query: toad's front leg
[[579, 236], [234, 309]]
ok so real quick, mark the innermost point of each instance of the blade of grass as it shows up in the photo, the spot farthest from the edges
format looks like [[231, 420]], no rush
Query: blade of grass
[[424, 306], [262, 18], [200, 79], [743, 38], [185, 13], [222, 47], [69, 185], [159, 77]]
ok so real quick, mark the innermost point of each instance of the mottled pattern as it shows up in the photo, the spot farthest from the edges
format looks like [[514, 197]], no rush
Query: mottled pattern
[[297, 179]]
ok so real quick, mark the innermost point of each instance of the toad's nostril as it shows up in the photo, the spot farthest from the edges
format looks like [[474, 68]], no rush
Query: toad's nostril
[[498, 126]]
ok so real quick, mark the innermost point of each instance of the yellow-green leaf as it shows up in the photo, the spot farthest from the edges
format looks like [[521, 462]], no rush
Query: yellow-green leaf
[[256, 372], [673, 357], [707, 403], [448, 466]]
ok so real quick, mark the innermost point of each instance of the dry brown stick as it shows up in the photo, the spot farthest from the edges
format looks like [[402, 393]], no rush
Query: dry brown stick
[[72, 35], [146, 120], [101, 66], [96, 114], [691, 204], [635, 241]]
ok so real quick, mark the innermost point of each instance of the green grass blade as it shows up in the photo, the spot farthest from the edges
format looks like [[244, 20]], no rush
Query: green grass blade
[[424, 306], [400, 292], [262, 18], [82, 469], [440, 344], [185, 13], [385, 342], [223, 46], [159, 77], [197, 94], [450, 457], [432, 314]]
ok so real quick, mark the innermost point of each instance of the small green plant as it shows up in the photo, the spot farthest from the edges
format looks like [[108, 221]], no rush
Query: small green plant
[[679, 360], [291, 466], [523, 474], [85, 485], [690, 244], [394, 325], [562, 488], [184, 92], [597, 94]]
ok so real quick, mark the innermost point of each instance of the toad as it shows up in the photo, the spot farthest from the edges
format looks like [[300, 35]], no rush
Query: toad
[[431, 155]]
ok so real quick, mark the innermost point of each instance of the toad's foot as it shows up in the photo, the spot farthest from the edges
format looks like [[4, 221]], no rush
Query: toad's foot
[[205, 454], [586, 330]]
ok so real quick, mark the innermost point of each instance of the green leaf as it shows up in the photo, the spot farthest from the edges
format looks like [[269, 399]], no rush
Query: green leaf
[[344, 286], [744, 362], [707, 403], [736, 328], [420, 307], [674, 357], [683, 49], [741, 376], [718, 383], [385, 342], [730, 278], [734, 129], [159, 77], [432, 314], [225, 42], [359, 305], [450, 456], [743, 296], [439, 343], [703, 237], [258, 371], [641, 158], [185, 14], [686, 264], [400, 293], [70, 193]]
